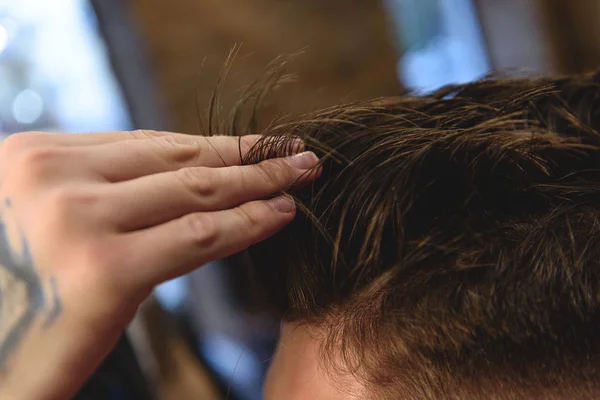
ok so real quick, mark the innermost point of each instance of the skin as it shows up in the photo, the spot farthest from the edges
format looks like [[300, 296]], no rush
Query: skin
[[90, 224], [297, 372]]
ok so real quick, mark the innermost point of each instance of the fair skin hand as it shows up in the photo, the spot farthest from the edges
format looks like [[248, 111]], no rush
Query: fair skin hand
[[92, 223]]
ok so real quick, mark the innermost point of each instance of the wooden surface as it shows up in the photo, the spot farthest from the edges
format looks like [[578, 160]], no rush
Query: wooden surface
[[573, 30], [349, 54], [516, 35]]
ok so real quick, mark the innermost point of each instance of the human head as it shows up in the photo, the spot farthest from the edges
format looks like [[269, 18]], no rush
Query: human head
[[451, 246]]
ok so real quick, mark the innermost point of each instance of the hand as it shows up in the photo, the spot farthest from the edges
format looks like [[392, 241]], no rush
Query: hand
[[91, 223]]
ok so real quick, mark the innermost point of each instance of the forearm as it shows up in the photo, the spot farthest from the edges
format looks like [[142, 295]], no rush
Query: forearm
[[42, 368], [48, 364]]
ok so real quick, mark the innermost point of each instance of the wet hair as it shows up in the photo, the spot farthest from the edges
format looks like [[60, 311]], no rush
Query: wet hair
[[451, 246]]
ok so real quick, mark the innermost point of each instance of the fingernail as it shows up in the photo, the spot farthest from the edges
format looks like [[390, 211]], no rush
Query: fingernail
[[283, 204], [305, 160]]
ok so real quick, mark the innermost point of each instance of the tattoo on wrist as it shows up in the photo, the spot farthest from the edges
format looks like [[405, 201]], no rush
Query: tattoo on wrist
[[24, 293]]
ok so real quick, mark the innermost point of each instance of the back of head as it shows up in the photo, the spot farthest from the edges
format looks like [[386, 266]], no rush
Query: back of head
[[451, 246]]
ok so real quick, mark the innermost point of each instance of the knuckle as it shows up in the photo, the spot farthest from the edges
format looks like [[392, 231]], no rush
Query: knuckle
[[35, 156], [177, 150], [145, 134], [246, 142], [277, 173], [203, 229], [15, 144], [168, 142], [60, 203], [198, 181], [248, 217], [65, 200], [254, 226], [35, 161]]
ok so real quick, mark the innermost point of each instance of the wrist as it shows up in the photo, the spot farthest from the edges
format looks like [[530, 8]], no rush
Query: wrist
[[53, 362]]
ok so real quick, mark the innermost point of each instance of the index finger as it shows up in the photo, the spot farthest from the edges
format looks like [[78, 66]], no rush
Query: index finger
[[129, 159], [99, 138]]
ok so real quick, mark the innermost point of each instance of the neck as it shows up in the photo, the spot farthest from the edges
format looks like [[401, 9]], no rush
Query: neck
[[297, 371]]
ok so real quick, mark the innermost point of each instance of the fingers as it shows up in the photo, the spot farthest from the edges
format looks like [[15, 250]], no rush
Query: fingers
[[119, 156], [130, 159], [98, 138], [34, 139], [155, 199], [179, 246]]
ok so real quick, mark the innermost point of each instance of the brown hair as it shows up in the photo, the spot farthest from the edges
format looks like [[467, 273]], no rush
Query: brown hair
[[452, 242]]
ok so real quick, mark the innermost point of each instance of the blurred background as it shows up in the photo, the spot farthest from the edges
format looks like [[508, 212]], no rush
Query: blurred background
[[89, 65]]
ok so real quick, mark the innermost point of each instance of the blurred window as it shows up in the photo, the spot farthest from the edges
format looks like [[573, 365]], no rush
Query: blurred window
[[55, 72], [440, 41]]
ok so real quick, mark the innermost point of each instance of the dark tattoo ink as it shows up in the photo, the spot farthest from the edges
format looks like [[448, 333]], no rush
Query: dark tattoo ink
[[18, 269], [56, 305]]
